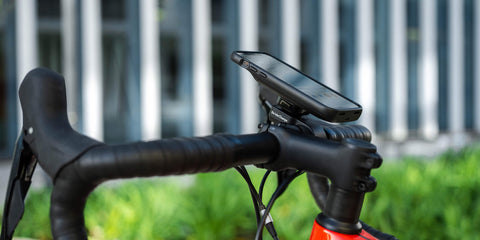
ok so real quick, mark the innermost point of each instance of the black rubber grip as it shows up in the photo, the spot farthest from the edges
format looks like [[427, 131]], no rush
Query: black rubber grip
[[144, 159]]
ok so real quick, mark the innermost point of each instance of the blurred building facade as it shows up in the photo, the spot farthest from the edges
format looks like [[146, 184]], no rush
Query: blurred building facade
[[146, 69]]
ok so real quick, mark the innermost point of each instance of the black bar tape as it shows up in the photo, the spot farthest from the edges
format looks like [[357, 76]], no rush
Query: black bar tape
[[144, 159]]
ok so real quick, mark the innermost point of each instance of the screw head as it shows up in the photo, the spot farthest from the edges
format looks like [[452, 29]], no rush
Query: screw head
[[362, 187]]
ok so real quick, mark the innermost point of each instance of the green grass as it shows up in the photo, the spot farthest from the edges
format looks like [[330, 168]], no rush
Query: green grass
[[415, 199]]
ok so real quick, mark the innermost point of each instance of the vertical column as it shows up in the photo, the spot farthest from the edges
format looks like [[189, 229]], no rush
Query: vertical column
[[366, 62], [92, 79], [69, 57], [202, 68], [329, 48], [248, 25], [428, 79], [456, 82], [26, 42], [398, 52], [150, 89], [291, 32], [476, 94]]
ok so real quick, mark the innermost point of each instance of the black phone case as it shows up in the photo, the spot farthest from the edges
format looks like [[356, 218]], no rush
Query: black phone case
[[302, 100]]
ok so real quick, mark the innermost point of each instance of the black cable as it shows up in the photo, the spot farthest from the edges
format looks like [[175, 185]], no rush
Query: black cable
[[275, 195], [270, 227], [253, 194], [262, 184], [257, 202]]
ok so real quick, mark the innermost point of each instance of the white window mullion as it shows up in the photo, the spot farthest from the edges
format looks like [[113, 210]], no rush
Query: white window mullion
[[150, 70], [330, 43], [248, 24], [26, 42], [456, 82], [398, 70], [202, 68], [92, 73], [366, 62], [69, 57], [291, 32], [428, 79]]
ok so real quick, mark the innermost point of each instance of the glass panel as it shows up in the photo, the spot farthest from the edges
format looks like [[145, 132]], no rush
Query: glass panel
[[269, 27], [50, 51], [310, 42], [442, 33], [347, 47], [176, 54], [170, 84], [218, 11], [219, 101], [382, 70], [115, 100], [412, 55], [113, 9], [469, 51], [48, 8], [8, 89]]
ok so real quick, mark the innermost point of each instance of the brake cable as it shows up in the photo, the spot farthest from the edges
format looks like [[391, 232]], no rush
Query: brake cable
[[260, 208], [280, 189]]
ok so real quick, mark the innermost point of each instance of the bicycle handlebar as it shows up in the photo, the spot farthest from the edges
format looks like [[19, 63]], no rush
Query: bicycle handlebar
[[77, 164], [145, 159]]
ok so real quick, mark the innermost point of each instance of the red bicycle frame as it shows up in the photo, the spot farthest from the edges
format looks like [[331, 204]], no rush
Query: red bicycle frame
[[321, 233]]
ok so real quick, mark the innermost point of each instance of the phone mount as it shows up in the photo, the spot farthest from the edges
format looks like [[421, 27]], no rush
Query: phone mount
[[354, 156]]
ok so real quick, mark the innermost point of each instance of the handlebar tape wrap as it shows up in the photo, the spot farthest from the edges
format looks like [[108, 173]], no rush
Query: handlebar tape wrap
[[144, 159]]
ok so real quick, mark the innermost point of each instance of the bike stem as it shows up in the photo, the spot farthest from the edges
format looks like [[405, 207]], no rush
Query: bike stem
[[334, 151], [347, 164]]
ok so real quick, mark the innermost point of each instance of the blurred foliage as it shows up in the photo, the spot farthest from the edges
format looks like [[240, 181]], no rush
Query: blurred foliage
[[415, 199], [437, 199]]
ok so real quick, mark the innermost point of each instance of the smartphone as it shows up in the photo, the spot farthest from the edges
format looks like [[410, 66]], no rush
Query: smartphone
[[298, 89]]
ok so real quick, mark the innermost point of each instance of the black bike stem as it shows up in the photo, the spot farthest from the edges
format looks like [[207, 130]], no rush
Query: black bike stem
[[346, 163]]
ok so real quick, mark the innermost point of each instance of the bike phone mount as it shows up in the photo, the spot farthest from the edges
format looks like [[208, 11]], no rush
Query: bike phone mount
[[342, 154]]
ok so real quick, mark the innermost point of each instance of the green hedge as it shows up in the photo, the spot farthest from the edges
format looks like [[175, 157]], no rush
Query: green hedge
[[437, 199], [415, 199]]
